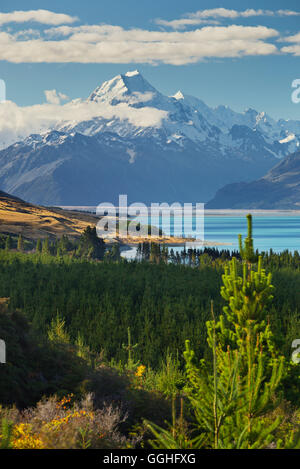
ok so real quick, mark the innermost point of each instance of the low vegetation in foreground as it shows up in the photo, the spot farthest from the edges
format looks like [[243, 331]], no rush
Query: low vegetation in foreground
[[189, 351]]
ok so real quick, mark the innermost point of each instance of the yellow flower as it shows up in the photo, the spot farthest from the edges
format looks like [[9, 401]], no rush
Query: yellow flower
[[140, 370], [24, 438]]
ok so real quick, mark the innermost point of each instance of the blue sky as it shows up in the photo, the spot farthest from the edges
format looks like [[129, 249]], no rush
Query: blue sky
[[219, 71]]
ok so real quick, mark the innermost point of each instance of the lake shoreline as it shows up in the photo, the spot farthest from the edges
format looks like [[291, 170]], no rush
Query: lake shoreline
[[208, 212]]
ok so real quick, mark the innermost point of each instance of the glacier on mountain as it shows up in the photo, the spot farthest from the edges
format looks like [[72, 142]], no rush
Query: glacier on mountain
[[127, 137]]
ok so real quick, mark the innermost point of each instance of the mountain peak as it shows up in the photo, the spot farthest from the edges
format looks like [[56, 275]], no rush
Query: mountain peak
[[179, 95], [119, 88], [250, 111]]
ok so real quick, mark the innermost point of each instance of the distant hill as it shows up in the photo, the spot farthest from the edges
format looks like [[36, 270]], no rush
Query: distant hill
[[33, 222], [278, 189], [5, 196]]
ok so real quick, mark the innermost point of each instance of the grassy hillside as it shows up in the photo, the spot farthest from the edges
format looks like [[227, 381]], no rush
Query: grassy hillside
[[33, 221]]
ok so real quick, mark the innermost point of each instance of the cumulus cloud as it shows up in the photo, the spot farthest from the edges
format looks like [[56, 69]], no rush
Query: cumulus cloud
[[38, 16], [18, 122], [294, 38], [202, 16], [54, 97], [114, 44], [293, 48], [62, 42]]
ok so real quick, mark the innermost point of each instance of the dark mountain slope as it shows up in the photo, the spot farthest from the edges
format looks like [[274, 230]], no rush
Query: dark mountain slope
[[278, 189]]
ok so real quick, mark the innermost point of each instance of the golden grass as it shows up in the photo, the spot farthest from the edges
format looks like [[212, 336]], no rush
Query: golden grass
[[33, 222], [18, 217]]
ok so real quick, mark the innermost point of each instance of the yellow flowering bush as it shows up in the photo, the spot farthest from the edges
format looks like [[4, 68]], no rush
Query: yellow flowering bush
[[63, 424], [140, 371], [24, 438]]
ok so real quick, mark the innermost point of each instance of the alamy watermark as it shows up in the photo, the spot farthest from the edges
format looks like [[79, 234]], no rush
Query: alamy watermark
[[296, 353], [158, 220], [2, 91], [2, 351], [296, 93]]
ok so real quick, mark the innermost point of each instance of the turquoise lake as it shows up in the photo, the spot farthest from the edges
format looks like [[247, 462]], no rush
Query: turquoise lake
[[277, 232]]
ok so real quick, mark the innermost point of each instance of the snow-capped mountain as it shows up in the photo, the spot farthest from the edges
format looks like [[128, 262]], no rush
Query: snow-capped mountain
[[127, 137], [180, 117]]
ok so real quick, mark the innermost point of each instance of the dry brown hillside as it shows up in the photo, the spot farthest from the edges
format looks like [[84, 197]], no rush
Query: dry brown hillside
[[33, 221]]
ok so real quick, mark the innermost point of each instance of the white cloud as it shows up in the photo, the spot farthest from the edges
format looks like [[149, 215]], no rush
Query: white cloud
[[136, 97], [54, 97], [18, 122], [27, 34], [294, 48], [294, 38], [202, 16], [288, 13], [38, 16], [184, 22], [113, 44]]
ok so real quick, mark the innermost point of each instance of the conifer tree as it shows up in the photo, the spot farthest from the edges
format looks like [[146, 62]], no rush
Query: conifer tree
[[46, 246], [8, 243], [165, 254], [247, 250], [232, 398], [83, 351], [232, 401], [38, 246], [90, 244], [20, 245], [57, 332], [115, 252], [131, 364]]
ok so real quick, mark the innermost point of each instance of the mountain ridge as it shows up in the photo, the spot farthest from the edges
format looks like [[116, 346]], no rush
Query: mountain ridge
[[130, 138], [278, 189]]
